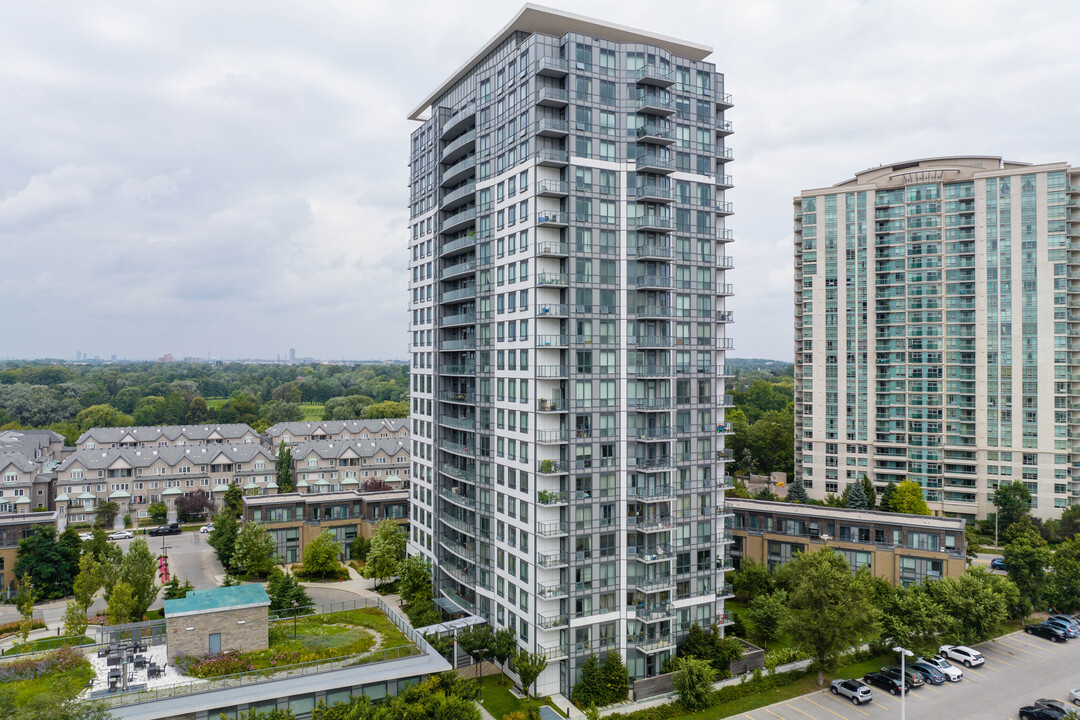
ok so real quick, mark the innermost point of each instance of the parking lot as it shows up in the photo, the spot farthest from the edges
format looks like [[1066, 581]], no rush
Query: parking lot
[[1019, 669]]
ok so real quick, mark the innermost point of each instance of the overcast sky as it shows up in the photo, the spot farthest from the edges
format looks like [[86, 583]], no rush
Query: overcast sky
[[229, 178]]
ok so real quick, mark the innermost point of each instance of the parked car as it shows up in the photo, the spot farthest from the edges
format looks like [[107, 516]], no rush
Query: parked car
[[1074, 697], [997, 564], [946, 668], [207, 528], [1065, 618], [1069, 629], [1045, 630], [884, 681], [914, 678], [962, 654], [121, 535], [1030, 712], [1052, 704], [931, 675], [854, 690], [170, 529], [86, 536]]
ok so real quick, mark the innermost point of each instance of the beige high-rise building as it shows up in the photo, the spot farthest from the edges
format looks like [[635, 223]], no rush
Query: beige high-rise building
[[937, 331]]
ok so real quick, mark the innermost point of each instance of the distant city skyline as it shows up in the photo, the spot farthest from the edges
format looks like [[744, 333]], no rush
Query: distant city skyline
[[192, 176]]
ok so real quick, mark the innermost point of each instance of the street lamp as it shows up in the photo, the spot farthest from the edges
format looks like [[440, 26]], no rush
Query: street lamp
[[903, 677], [295, 611]]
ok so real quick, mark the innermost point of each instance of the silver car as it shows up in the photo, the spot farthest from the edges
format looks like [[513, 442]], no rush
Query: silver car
[[855, 690]]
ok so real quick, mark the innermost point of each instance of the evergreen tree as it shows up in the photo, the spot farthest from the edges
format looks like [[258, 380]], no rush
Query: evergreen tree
[[871, 493], [223, 537], [589, 689], [616, 678], [233, 503], [283, 589], [856, 497], [886, 497], [797, 491], [284, 469]]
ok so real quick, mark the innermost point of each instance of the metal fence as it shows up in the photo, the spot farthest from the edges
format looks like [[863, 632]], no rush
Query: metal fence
[[419, 646]]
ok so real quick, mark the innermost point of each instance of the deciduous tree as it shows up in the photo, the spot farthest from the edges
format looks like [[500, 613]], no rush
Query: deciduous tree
[[223, 537], [693, 682], [767, 613], [284, 468], [105, 514], [387, 550], [102, 416], [1013, 501], [528, 667], [321, 556], [908, 498], [476, 642], [255, 550], [1027, 558], [75, 620], [233, 502], [121, 608], [751, 579]]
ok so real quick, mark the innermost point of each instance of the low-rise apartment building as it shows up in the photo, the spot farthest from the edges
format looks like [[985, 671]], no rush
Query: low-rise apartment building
[[329, 465], [136, 477], [13, 528], [27, 460], [294, 433], [166, 436], [295, 519], [903, 549]]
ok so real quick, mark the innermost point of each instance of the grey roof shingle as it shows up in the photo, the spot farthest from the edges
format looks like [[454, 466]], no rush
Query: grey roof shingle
[[333, 427], [100, 459], [327, 449], [151, 433], [18, 460]]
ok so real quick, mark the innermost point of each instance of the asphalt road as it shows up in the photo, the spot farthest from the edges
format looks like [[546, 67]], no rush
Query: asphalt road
[[1019, 669]]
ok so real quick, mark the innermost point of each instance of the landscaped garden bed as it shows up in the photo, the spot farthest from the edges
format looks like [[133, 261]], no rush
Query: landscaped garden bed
[[63, 673], [317, 637]]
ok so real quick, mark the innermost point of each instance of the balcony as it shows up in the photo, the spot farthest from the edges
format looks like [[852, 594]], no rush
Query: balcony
[[554, 651], [655, 133], [457, 172], [459, 525], [652, 281], [459, 120], [552, 218], [464, 344], [651, 645], [724, 182], [654, 613], [458, 397], [552, 310], [552, 97], [653, 584], [457, 498], [552, 341], [650, 493], [467, 369], [656, 104], [651, 192], [552, 279], [658, 434], [723, 101], [552, 188], [655, 164], [654, 75], [553, 405], [724, 208], [458, 195], [465, 577], [552, 467], [551, 248], [552, 559], [459, 220], [724, 155], [552, 67], [550, 157], [459, 319], [462, 268], [458, 423], [551, 622], [462, 243], [466, 450], [550, 498], [724, 128], [650, 554], [550, 127], [649, 404], [647, 524], [462, 145], [650, 223], [725, 262], [654, 311], [652, 341], [552, 529], [552, 371]]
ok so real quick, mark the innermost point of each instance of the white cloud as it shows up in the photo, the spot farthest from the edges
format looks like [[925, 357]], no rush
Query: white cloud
[[232, 176]]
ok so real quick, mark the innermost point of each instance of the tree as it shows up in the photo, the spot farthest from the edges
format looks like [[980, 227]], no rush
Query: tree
[[139, 571], [693, 683], [528, 667], [503, 645], [414, 581], [150, 410], [856, 497], [233, 502], [1027, 558], [278, 411], [386, 409], [908, 498], [767, 613], [476, 642], [711, 646], [886, 497], [175, 590], [971, 540], [797, 491], [321, 556], [223, 537], [910, 617], [769, 440], [975, 604], [88, 581], [194, 506], [616, 677], [589, 689], [1013, 501], [287, 392], [102, 416], [105, 514], [751, 579], [41, 557], [26, 596], [360, 547], [198, 412], [275, 714], [831, 610], [255, 550], [159, 512], [387, 550], [121, 609], [283, 588], [1063, 590], [284, 469], [871, 493], [75, 621], [375, 485], [1070, 522], [101, 549]]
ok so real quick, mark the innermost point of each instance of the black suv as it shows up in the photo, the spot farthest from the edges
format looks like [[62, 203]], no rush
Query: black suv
[[885, 681], [1031, 712], [1044, 630], [170, 529]]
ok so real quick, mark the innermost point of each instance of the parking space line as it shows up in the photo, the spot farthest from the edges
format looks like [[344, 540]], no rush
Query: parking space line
[[973, 670], [852, 705], [999, 660], [772, 713], [807, 698], [1026, 652], [800, 711], [1034, 648]]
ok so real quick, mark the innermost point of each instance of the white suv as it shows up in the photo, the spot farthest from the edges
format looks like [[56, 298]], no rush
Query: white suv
[[856, 691], [962, 654], [946, 668]]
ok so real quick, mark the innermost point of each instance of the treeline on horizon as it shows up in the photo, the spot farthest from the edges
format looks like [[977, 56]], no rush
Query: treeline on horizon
[[763, 419], [71, 399]]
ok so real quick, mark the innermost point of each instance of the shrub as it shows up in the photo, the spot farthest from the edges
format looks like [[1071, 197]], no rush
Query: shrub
[[60, 660], [10, 628], [229, 662]]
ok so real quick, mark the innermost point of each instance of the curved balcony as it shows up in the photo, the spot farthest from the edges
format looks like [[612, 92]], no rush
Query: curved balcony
[[458, 423], [466, 293], [464, 398], [458, 171], [460, 525], [461, 370], [459, 122], [457, 499], [459, 221], [461, 146], [462, 449], [461, 243], [458, 319], [459, 196], [454, 345], [461, 268]]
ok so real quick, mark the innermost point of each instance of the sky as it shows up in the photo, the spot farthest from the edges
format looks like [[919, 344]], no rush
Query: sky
[[229, 179]]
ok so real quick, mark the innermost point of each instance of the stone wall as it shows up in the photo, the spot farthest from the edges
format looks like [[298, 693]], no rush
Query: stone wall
[[253, 634]]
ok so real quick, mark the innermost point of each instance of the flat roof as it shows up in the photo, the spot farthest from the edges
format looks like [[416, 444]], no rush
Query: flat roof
[[32, 518], [849, 514], [338, 495], [223, 598], [549, 21]]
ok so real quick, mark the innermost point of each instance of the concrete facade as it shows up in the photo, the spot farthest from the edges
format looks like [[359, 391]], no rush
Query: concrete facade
[[937, 331], [903, 549]]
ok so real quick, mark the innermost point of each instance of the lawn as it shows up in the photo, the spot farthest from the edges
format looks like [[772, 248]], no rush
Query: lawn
[[47, 644], [317, 637], [66, 684], [739, 608], [312, 411], [496, 698], [62, 673]]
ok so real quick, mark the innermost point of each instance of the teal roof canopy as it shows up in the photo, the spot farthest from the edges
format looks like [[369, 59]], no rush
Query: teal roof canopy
[[218, 599]]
